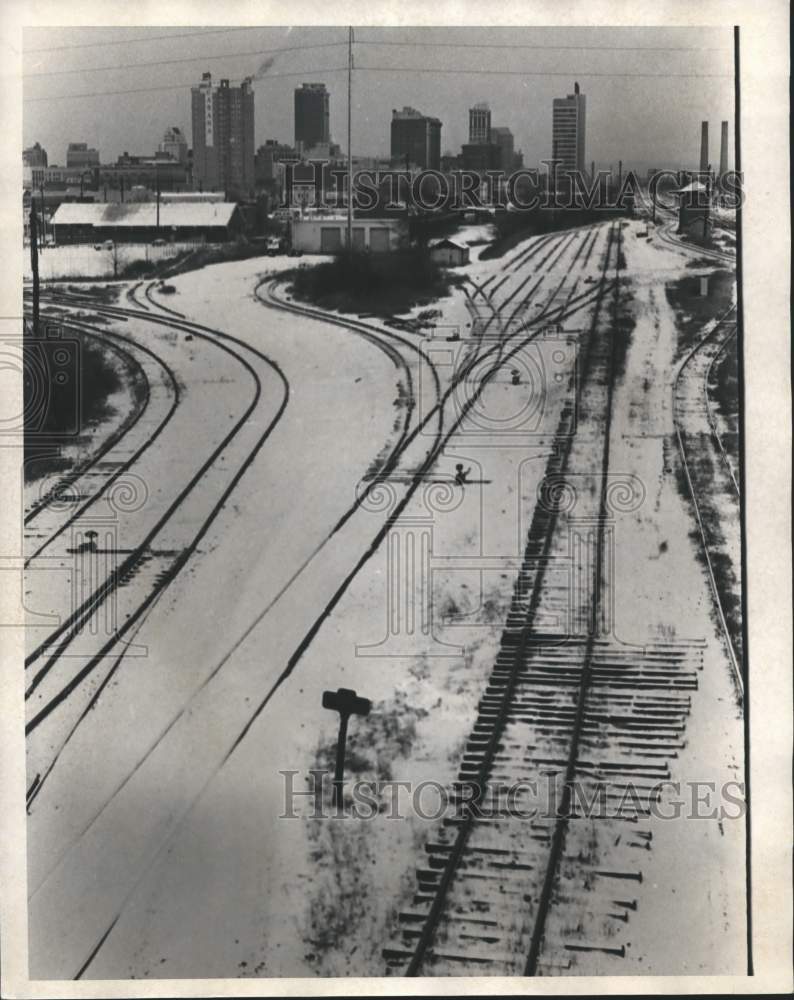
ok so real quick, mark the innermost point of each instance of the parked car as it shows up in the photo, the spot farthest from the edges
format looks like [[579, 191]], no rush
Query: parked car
[[158, 242], [108, 244], [273, 246]]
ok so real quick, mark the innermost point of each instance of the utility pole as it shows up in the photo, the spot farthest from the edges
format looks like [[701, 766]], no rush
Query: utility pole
[[157, 183], [349, 140], [121, 179], [34, 265], [43, 217]]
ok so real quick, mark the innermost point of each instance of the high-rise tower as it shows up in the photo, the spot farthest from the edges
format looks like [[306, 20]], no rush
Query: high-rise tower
[[223, 137], [568, 131], [479, 124], [312, 116]]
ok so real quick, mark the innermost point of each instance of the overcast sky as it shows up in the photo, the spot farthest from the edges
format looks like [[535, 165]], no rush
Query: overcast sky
[[644, 120]]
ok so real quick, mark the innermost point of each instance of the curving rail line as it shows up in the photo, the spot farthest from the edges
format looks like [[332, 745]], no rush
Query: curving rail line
[[726, 322], [60, 491], [59, 640]]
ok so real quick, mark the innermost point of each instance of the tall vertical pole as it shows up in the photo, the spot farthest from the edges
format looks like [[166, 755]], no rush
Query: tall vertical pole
[[349, 140], [43, 217], [34, 266], [157, 182], [339, 771]]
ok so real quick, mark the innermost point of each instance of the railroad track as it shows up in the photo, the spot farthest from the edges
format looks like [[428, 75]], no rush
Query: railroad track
[[499, 355], [495, 895], [392, 345], [668, 234], [72, 626], [90, 481], [559, 245], [490, 361], [710, 412], [140, 559], [696, 367], [55, 494]]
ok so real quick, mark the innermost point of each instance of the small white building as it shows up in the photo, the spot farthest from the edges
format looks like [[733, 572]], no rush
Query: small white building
[[449, 254], [327, 234]]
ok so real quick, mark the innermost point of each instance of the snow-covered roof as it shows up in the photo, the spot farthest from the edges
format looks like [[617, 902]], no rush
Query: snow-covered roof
[[693, 186], [144, 214], [446, 244]]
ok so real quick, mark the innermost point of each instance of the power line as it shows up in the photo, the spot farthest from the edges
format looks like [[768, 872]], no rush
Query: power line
[[384, 69], [372, 41], [556, 48], [171, 62], [325, 45], [133, 41], [570, 74], [179, 86]]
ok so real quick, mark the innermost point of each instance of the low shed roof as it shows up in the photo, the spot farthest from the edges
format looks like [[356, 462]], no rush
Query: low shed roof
[[144, 214], [447, 245]]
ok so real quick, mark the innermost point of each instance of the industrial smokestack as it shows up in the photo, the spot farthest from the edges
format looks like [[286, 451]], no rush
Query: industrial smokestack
[[704, 147], [576, 88], [724, 150]]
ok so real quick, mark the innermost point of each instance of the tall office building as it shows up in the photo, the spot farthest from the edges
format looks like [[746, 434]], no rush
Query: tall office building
[[175, 144], [568, 131], [502, 137], [479, 124], [36, 155], [415, 139], [312, 116], [223, 137], [79, 155]]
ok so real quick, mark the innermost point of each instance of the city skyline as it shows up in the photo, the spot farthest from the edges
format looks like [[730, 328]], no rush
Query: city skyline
[[451, 72]]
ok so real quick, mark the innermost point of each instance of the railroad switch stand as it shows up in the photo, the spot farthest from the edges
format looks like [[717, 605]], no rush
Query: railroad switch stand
[[347, 703]]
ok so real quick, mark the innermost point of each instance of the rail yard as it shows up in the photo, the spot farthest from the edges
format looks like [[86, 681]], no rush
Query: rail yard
[[516, 531]]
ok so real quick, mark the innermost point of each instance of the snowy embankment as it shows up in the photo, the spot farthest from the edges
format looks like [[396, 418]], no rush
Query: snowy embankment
[[273, 884], [280, 512], [177, 837]]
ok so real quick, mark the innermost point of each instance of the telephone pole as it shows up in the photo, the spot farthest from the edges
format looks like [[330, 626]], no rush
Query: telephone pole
[[43, 216], [349, 141], [34, 266]]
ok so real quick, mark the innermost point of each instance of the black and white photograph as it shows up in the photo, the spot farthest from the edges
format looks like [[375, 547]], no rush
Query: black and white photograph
[[398, 553]]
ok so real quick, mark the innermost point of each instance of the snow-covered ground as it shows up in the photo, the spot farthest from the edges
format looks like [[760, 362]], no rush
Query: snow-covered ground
[[695, 866], [172, 833], [84, 261]]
